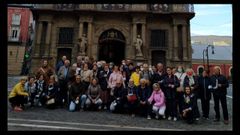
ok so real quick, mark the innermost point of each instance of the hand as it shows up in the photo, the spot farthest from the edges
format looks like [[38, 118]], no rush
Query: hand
[[169, 85], [184, 113], [48, 97], [219, 85], [93, 101], [172, 86], [77, 98]]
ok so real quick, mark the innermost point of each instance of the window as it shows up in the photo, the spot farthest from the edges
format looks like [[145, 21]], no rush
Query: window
[[14, 34], [158, 38], [65, 35], [16, 19]]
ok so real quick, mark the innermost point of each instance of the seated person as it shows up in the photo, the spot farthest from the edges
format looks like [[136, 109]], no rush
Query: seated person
[[30, 87], [132, 100], [77, 95], [119, 98], [93, 95], [143, 92], [51, 95], [18, 95]]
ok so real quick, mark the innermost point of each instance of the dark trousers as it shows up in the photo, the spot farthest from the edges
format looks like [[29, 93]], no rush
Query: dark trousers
[[132, 107], [179, 97], [222, 98], [63, 84], [144, 110], [171, 107], [17, 101], [189, 117], [32, 97], [205, 107]]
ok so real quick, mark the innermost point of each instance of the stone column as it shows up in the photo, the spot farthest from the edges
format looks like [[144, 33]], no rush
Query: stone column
[[48, 38], [175, 40], [189, 46], [134, 36], [80, 29], [144, 38], [39, 34], [184, 36], [89, 52]]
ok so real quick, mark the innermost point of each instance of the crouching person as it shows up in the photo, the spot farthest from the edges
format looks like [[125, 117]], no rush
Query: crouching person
[[18, 95], [157, 102], [30, 86], [189, 104], [119, 98], [51, 96], [77, 95], [93, 94]]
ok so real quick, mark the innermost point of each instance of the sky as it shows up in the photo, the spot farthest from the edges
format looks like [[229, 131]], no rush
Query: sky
[[212, 19]]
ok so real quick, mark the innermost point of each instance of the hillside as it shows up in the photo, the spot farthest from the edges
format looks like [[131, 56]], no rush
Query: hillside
[[211, 39]]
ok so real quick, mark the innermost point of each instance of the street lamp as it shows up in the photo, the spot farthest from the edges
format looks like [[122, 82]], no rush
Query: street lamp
[[207, 54], [204, 50]]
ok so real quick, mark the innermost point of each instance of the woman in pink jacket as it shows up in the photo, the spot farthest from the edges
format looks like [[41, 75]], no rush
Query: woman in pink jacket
[[157, 101]]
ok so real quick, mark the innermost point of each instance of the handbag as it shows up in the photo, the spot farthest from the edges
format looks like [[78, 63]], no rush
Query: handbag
[[132, 98], [51, 101]]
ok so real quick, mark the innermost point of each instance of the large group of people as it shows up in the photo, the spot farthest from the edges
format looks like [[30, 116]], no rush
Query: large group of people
[[149, 91]]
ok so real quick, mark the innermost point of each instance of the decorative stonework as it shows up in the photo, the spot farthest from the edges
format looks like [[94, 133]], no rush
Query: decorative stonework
[[85, 19], [159, 7], [65, 6]]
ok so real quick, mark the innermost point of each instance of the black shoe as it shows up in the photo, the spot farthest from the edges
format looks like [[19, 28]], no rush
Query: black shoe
[[226, 122], [216, 120]]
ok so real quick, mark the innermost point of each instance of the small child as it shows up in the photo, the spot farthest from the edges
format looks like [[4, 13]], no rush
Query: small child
[[158, 98], [189, 104]]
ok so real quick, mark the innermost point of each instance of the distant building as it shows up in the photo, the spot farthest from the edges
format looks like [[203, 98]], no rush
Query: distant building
[[220, 43], [222, 58], [20, 30]]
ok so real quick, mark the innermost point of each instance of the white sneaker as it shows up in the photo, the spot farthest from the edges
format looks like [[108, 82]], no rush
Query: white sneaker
[[164, 117], [174, 119], [149, 117], [105, 108], [197, 119], [169, 118], [157, 117]]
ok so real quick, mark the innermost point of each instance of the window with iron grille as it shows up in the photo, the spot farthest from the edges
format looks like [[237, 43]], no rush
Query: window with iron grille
[[16, 19], [158, 38], [65, 35]]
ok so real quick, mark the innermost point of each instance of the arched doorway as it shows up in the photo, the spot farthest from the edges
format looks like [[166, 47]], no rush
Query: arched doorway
[[111, 46]]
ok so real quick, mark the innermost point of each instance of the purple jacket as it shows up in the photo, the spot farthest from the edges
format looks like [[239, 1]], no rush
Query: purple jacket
[[158, 98]]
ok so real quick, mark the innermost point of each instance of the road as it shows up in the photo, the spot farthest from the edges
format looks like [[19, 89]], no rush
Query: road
[[39, 118]]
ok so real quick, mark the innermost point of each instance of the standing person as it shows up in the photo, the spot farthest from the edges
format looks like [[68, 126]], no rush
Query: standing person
[[132, 100], [180, 90], [136, 76], [189, 103], [103, 81], [114, 77], [93, 94], [51, 96], [143, 92], [159, 76], [192, 81], [63, 78], [171, 83], [41, 88], [45, 70], [77, 95], [60, 63], [30, 87], [119, 98], [18, 95], [86, 76], [157, 101], [220, 85], [204, 83], [146, 74]]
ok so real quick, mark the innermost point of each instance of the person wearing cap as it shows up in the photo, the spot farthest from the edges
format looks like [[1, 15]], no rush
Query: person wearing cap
[[18, 95], [157, 102]]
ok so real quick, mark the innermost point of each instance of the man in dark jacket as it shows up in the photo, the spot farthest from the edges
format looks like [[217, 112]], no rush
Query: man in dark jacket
[[204, 84], [159, 76], [220, 85]]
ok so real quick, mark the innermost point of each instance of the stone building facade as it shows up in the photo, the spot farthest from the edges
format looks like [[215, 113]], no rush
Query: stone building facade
[[111, 31]]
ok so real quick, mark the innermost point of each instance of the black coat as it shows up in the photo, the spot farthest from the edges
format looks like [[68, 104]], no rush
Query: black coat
[[53, 91], [170, 92], [76, 90], [120, 92], [157, 78], [192, 103], [195, 89], [203, 85], [221, 80], [103, 77], [143, 94]]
